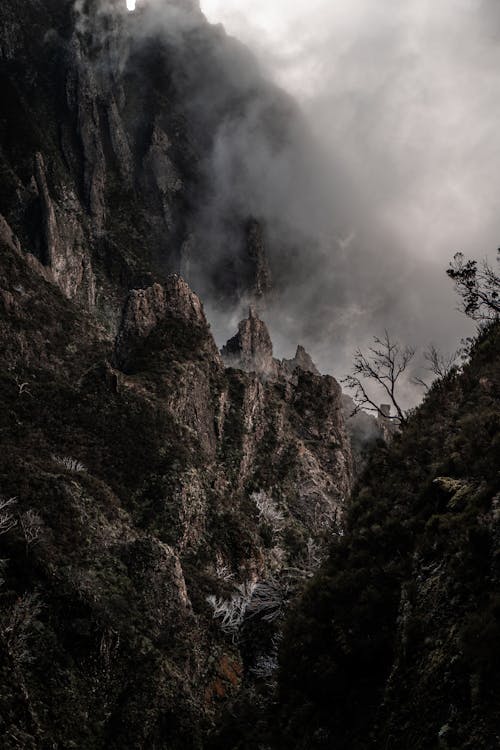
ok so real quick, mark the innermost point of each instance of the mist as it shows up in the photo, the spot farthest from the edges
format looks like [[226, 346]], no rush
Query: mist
[[363, 136], [404, 99]]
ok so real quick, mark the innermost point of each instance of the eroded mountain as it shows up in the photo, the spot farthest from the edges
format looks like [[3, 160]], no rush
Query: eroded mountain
[[148, 494]]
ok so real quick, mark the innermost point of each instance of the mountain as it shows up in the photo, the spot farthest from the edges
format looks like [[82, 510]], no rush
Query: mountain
[[184, 562], [123, 136], [160, 503], [143, 484], [396, 642]]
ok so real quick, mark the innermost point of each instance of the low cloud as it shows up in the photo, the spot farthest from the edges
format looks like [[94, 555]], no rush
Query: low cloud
[[405, 101], [378, 169]]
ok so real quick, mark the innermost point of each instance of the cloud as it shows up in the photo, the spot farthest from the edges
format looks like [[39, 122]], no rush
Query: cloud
[[405, 99], [366, 187]]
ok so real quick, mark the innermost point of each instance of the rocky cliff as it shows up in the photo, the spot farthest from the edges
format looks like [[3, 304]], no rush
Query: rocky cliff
[[161, 503], [166, 507], [156, 506], [114, 138]]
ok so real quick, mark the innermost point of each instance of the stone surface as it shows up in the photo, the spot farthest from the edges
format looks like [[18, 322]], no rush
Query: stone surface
[[251, 348], [301, 361], [135, 453]]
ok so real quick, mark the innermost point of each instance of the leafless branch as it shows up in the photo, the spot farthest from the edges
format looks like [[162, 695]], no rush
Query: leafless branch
[[32, 527], [384, 365], [438, 363], [7, 519]]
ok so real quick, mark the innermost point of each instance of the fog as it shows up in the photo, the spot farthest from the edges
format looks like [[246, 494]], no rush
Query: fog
[[404, 99], [380, 166]]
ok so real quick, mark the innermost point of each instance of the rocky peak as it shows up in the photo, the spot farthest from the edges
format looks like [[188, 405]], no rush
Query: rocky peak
[[251, 349], [302, 361], [146, 309]]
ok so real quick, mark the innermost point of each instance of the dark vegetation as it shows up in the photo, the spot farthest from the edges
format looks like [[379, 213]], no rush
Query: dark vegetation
[[396, 643], [121, 489]]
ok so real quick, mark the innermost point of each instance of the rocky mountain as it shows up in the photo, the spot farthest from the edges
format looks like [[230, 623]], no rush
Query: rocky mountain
[[160, 503], [183, 560], [149, 496], [122, 136]]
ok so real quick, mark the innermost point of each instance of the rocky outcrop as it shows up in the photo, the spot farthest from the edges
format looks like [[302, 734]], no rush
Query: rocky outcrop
[[321, 446], [251, 349], [145, 487], [162, 485], [7, 236], [148, 309], [108, 149], [63, 248], [301, 361]]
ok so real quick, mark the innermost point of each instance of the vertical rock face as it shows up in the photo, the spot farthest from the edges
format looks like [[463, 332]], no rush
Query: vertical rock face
[[109, 149], [301, 361], [63, 243], [148, 309], [251, 349], [321, 468], [161, 487], [155, 482]]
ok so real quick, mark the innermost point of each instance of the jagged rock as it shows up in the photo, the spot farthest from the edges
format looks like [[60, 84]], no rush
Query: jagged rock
[[174, 446], [146, 309], [63, 242], [114, 109], [301, 361], [251, 349], [322, 470], [103, 174], [143, 311], [8, 236]]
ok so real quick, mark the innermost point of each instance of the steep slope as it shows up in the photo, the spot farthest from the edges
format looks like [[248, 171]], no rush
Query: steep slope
[[146, 492], [122, 136], [396, 643]]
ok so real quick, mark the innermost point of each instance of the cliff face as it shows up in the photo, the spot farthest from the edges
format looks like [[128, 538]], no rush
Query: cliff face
[[158, 508], [110, 137], [146, 492]]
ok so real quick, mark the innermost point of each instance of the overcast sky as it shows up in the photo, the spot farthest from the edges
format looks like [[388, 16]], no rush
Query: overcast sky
[[405, 97]]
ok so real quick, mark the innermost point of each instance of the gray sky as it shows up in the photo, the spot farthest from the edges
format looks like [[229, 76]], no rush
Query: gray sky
[[405, 99]]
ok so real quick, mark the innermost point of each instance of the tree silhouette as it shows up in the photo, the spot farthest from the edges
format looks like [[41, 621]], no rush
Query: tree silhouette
[[384, 364], [478, 285]]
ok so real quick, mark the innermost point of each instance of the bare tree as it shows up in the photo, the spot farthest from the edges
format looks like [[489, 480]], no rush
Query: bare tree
[[7, 519], [231, 612], [384, 365], [70, 464], [438, 363], [478, 285], [32, 527], [268, 510]]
